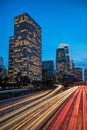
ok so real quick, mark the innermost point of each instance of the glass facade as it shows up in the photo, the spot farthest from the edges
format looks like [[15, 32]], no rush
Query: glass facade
[[72, 64], [77, 74], [3, 72], [25, 49], [63, 58], [47, 70], [60, 60], [85, 75]]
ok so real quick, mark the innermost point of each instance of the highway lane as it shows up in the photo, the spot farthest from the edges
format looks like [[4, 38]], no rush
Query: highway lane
[[73, 115], [61, 116], [15, 103], [36, 124], [50, 92], [23, 108], [20, 100], [38, 113], [8, 101], [41, 111]]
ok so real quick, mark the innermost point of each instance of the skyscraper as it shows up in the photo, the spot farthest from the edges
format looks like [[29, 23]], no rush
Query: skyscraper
[[77, 74], [72, 64], [85, 75], [63, 58], [25, 49], [48, 70], [3, 70]]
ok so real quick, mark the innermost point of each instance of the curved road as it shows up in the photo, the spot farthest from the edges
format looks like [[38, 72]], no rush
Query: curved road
[[34, 114]]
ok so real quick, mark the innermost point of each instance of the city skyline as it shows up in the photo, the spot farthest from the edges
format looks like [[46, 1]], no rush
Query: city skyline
[[60, 22]]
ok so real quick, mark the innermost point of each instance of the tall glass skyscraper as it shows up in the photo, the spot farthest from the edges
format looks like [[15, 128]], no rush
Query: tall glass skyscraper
[[48, 70], [25, 49], [85, 74], [63, 58]]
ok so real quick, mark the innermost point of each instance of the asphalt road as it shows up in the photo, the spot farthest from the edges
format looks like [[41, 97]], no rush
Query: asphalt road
[[33, 112]]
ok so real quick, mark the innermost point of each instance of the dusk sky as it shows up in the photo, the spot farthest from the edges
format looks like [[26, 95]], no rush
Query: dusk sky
[[60, 20]]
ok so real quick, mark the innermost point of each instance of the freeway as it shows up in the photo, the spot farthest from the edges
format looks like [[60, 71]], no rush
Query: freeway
[[73, 115], [14, 103], [20, 103], [33, 116]]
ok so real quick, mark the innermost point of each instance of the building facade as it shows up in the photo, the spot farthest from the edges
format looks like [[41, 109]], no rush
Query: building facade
[[63, 58], [85, 75], [60, 60], [77, 74], [72, 64], [3, 70], [48, 70], [25, 49]]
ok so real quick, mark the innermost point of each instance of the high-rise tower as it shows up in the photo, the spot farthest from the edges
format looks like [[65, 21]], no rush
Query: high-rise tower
[[25, 49], [48, 70], [85, 74], [63, 58]]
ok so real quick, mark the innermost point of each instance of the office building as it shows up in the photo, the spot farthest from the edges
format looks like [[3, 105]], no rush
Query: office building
[[72, 64], [85, 75], [3, 70], [25, 49], [63, 58], [77, 74], [48, 70]]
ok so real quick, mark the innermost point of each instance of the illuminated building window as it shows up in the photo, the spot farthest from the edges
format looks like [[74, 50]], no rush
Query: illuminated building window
[[25, 48]]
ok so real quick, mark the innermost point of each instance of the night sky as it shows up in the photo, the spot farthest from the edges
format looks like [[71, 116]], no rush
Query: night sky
[[61, 21]]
